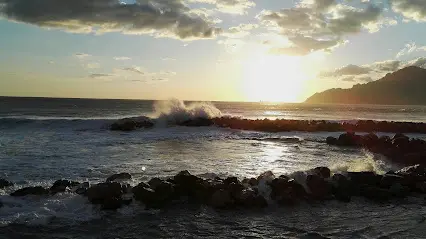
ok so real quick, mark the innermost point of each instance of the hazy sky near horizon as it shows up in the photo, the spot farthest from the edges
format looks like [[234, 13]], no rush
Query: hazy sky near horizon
[[238, 50]]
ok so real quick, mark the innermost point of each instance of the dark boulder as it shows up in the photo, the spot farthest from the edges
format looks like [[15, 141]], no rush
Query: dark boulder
[[119, 176], [249, 198], [81, 189], [129, 124], [370, 140], [331, 140], [376, 194], [341, 188], [108, 195], [4, 183], [319, 188], [30, 191], [323, 172], [364, 178], [349, 139], [400, 141], [62, 185], [144, 194], [221, 199], [197, 122], [230, 180], [286, 191]]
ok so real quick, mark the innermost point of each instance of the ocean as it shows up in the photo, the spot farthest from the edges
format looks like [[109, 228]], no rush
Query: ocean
[[45, 139]]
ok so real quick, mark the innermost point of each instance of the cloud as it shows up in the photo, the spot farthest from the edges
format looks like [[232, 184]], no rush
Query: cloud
[[349, 70], [409, 48], [93, 65], [315, 25], [161, 18], [239, 31], [305, 45], [134, 70], [387, 66], [168, 59], [411, 9], [122, 58], [229, 6], [82, 55], [96, 76]]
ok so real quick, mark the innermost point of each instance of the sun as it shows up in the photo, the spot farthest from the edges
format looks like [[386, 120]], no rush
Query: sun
[[274, 79]]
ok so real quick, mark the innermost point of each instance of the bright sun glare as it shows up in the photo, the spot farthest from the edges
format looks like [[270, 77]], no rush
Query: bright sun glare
[[274, 78]]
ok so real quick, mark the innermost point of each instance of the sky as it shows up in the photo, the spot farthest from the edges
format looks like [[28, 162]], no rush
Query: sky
[[208, 50]]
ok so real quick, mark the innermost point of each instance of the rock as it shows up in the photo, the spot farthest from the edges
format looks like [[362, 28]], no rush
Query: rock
[[1, 204], [4, 183], [331, 140], [221, 199], [250, 199], [390, 179], [323, 172], [154, 182], [81, 189], [129, 124], [30, 191], [230, 180], [375, 193], [197, 122], [320, 189], [400, 141], [188, 185], [364, 178], [287, 191], [112, 203], [144, 194], [341, 188], [349, 139], [105, 194], [369, 140], [61, 185], [234, 189], [119, 176]]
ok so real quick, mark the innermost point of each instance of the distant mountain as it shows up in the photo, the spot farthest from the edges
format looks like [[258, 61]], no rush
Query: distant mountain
[[403, 87]]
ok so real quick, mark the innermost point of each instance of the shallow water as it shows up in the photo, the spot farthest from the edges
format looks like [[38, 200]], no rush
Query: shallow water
[[41, 143]]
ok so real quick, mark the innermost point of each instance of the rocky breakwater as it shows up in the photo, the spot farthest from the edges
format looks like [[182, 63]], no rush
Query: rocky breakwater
[[130, 124], [283, 125], [314, 185], [399, 149]]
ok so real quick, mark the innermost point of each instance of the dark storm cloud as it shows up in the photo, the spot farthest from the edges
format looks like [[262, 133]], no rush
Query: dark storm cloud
[[169, 18]]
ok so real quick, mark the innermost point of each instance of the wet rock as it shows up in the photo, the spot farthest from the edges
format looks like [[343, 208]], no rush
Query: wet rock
[[249, 198], [1, 204], [323, 172], [188, 185], [62, 185], [341, 188], [331, 140], [230, 180], [221, 199], [81, 189], [400, 141], [349, 139], [119, 176], [376, 194], [106, 194], [390, 179], [144, 194], [154, 182], [365, 178], [198, 122], [320, 189], [287, 191], [129, 124], [4, 183], [30, 191]]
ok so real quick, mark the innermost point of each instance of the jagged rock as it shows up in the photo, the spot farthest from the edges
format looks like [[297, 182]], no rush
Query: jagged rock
[[81, 189], [221, 199], [129, 124], [364, 178], [144, 194], [287, 191], [108, 195], [320, 189], [30, 191], [349, 139], [250, 199], [341, 188], [323, 172], [4, 183], [331, 140], [198, 122], [119, 176], [61, 185], [230, 180]]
